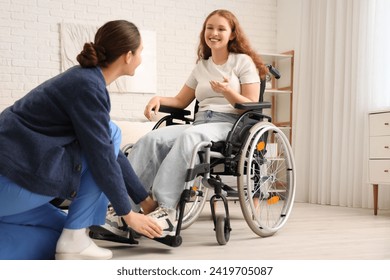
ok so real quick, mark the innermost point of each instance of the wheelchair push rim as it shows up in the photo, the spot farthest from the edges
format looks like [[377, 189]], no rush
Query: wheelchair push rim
[[266, 181]]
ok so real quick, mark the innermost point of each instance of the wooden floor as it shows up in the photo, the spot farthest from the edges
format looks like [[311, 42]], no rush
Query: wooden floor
[[313, 232]]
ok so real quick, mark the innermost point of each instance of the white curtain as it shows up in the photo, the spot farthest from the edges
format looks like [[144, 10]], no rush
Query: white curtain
[[342, 68]]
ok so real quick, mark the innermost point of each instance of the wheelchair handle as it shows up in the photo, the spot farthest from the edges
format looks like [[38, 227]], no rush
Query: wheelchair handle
[[273, 71]]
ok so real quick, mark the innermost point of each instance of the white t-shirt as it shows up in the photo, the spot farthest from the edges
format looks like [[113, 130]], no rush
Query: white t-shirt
[[239, 69]]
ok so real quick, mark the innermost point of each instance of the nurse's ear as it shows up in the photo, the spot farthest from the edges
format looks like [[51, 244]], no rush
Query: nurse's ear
[[128, 57]]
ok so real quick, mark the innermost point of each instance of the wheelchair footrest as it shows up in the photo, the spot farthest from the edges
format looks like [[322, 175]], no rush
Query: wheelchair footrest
[[101, 233], [170, 240]]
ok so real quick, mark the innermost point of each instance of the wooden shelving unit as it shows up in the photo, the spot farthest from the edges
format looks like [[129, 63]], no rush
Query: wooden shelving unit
[[280, 92]]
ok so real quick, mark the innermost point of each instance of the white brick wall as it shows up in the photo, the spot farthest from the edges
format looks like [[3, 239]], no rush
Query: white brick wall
[[30, 39]]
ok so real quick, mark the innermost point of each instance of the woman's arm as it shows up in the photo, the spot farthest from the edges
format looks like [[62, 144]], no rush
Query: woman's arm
[[249, 92], [181, 100]]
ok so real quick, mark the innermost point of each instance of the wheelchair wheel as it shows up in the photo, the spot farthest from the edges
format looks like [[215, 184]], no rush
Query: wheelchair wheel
[[222, 230], [195, 205], [266, 183]]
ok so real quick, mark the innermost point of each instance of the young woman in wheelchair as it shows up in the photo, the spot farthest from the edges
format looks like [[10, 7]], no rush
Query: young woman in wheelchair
[[227, 72], [58, 142]]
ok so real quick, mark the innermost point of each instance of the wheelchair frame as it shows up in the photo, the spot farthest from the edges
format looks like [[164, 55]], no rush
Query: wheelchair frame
[[278, 191]]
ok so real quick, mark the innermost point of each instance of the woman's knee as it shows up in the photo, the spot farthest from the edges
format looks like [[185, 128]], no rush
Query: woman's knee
[[20, 242], [149, 142]]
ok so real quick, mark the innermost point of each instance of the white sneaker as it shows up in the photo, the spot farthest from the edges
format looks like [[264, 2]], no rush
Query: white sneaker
[[115, 224], [166, 219]]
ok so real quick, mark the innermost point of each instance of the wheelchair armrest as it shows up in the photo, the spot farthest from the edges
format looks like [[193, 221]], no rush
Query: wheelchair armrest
[[253, 105], [175, 112]]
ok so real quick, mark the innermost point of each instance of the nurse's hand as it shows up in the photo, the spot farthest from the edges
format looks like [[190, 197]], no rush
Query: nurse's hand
[[143, 224]]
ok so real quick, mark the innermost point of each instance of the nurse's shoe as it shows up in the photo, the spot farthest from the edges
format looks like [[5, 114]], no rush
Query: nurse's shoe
[[76, 245]]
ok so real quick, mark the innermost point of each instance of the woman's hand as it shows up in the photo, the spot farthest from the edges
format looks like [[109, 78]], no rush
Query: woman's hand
[[249, 92], [220, 87], [143, 224], [153, 105]]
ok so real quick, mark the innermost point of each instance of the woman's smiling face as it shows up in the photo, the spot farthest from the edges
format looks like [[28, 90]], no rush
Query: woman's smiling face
[[218, 32]]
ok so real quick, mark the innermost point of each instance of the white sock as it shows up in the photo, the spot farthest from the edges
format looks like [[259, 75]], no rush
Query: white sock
[[73, 241]]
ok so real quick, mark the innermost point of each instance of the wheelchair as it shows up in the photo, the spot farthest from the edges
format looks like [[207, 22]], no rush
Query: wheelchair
[[257, 153]]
